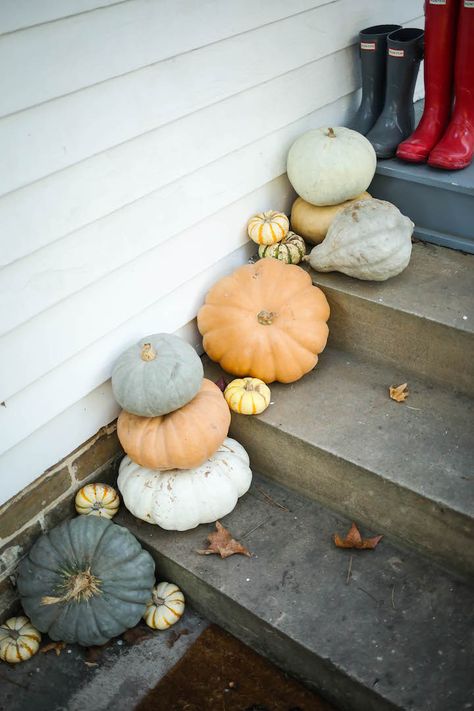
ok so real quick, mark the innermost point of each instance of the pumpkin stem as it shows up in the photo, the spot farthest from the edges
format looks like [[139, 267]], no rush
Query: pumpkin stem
[[265, 317], [331, 133], [148, 352], [158, 601], [80, 585]]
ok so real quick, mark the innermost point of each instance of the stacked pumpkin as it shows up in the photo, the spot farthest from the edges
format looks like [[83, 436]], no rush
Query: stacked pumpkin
[[369, 239], [181, 469]]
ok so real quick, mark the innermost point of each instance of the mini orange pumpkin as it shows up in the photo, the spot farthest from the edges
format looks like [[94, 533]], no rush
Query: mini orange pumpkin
[[266, 320], [182, 439]]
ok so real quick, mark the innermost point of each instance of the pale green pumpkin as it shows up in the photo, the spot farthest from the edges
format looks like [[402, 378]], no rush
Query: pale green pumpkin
[[157, 375], [86, 581], [290, 250]]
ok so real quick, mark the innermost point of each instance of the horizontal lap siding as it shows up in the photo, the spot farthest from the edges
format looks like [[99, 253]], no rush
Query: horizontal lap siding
[[130, 178]]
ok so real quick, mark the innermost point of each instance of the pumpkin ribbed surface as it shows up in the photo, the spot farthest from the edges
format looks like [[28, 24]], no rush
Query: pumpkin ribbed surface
[[290, 250], [19, 640], [182, 439], [165, 607], [86, 581], [268, 227], [266, 320]]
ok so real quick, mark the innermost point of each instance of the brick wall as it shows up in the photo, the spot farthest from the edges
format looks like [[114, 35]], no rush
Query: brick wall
[[48, 501]]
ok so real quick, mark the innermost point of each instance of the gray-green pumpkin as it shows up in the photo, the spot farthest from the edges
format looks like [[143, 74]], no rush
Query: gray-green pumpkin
[[86, 581], [158, 375], [291, 249]]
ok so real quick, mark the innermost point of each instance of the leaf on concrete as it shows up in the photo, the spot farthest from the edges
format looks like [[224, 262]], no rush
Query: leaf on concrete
[[221, 383], [399, 393], [222, 543], [57, 646], [353, 539], [137, 634]]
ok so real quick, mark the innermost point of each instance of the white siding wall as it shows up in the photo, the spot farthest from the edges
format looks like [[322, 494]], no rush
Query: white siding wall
[[136, 139]]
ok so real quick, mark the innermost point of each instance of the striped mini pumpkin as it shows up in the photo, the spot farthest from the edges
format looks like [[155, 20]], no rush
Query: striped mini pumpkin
[[97, 500], [290, 250], [165, 607], [19, 640], [268, 227], [247, 396]]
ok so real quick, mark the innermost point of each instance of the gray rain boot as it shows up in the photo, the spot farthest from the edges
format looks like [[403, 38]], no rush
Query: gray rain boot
[[373, 60], [397, 120]]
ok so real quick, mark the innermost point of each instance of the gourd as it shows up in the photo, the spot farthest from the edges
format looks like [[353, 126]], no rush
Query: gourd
[[266, 320], [247, 396], [312, 222], [268, 227], [19, 640], [157, 375], [368, 240], [97, 500], [290, 250], [327, 166], [165, 607], [85, 581], [179, 500], [182, 439]]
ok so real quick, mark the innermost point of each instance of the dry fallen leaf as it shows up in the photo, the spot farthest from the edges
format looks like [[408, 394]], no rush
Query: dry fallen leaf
[[399, 392], [353, 539], [222, 543], [137, 634], [57, 646]]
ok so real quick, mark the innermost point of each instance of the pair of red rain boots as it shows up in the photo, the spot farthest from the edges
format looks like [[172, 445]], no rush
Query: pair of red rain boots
[[444, 137]]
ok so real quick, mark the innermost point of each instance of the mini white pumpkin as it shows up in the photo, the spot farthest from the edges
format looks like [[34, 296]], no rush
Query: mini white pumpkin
[[97, 500], [165, 607], [178, 500], [19, 640], [268, 227], [290, 250], [327, 166], [369, 240]]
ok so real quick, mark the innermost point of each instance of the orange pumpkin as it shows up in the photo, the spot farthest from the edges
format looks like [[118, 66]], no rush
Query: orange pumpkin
[[182, 439], [266, 320]]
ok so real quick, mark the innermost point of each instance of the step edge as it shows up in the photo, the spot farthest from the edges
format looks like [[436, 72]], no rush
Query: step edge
[[397, 173]]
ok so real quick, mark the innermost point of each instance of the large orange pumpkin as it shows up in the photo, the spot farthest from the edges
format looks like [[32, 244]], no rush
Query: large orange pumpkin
[[183, 439], [266, 320]]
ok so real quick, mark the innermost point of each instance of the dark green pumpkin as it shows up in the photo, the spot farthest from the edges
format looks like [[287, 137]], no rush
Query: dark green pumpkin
[[86, 581]]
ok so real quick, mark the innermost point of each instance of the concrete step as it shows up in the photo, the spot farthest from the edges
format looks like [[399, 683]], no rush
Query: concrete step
[[372, 630], [440, 203], [422, 320], [405, 469]]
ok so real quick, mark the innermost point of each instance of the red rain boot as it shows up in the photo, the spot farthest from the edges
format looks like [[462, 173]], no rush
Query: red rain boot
[[440, 36], [456, 148]]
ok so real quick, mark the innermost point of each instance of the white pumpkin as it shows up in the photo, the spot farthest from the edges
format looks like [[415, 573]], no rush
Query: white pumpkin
[[165, 607], [327, 166], [178, 500], [19, 640], [369, 240]]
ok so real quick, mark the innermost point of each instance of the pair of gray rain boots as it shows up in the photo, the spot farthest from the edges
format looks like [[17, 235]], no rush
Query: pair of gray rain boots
[[390, 59]]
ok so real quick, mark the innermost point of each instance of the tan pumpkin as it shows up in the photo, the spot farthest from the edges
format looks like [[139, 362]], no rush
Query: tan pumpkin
[[182, 439], [165, 607], [97, 500], [268, 227], [290, 250], [19, 640], [247, 396], [312, 221], [266, 320]]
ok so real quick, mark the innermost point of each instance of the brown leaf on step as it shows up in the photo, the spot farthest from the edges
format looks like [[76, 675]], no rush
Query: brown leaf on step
[[93, 654], [222, 543], [174, 636], [137, 634], [353, 539], [57, 646], [399, 392], [221, 383]]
